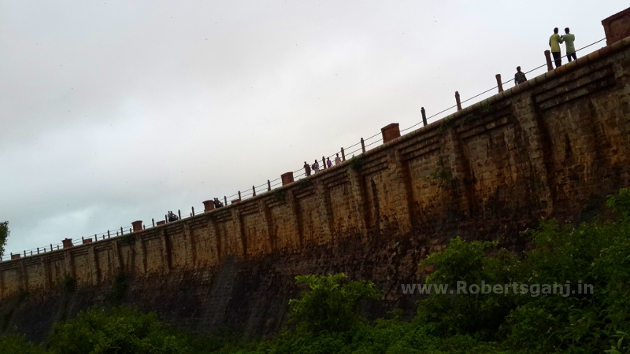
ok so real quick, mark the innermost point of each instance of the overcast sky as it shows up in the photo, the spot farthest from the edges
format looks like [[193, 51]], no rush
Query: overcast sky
[[115, 111]]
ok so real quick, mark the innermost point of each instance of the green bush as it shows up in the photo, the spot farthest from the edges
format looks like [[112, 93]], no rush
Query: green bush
[[17, 344], [328, 305], [119, 330]]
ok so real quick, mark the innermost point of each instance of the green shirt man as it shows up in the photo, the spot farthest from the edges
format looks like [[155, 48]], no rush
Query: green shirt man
[[568, 40]]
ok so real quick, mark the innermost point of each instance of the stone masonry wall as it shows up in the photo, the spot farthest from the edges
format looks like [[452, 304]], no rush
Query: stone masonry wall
[[553, 147]]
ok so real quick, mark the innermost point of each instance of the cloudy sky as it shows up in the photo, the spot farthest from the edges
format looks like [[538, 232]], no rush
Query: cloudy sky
[[115, 111]]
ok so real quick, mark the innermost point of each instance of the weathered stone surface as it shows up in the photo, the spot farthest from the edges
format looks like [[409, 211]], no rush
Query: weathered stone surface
[[554, 148]]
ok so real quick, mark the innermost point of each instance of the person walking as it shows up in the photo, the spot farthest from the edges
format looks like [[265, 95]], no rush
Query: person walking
[[328, 162], [337, 160], [554, 43], [307, 169], [568, 40], [315, 167], [519, 77]]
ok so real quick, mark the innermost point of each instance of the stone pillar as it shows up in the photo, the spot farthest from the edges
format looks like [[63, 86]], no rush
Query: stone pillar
[[400, 184], [92, 270], [67, 242], [390, 132], [140, 262], [208, 205], [292, 204], [118, 265], [166, 249], [215, 244], [239, 234], [287, 178], [358, 200], [263, 209], [324, 210], [137, 225], [617, 26], [190, 247]]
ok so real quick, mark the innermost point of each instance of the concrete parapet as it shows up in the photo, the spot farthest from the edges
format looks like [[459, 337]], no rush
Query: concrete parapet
[[208, 205], [390, 132], [137, 225], [617, 26], [67, 242], [288, 177]]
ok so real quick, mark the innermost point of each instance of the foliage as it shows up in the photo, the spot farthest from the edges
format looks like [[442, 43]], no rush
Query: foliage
[[305, 182], [119, 330], [329, 305], [17, 344], [69, 284], [4, 235], [356, 163], [118, 290], [279, 196]]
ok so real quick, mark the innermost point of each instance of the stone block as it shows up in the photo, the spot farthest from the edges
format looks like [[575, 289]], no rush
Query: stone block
[[390, 132], [617, 26]]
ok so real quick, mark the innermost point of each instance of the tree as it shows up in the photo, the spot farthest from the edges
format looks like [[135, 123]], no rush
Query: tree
[[4, 234], [329, 305]]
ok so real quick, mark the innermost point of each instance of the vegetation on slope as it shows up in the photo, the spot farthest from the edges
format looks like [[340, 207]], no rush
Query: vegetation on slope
[[324, 318]]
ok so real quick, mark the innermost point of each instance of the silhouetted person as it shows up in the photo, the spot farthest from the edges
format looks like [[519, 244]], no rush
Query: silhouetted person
[[307, 169], [554, 43], [217, 203], [519, 77], [568, 40], [337, 160], [172, 217], [328, 162], [315, 166]]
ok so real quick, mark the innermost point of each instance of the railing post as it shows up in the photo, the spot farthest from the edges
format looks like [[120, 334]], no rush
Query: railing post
[[193, 211], [108, 236], [459, 104], [499, 83], [225, 199], [362, 145], [37, 250], [548, 59], [51, 249], [121, 230], [152, 222], [424, 116], [239, 195], [268, 186], [343, 155], [179, 213], [253, 191]]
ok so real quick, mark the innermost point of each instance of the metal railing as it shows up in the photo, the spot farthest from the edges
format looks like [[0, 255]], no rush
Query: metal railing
[[247, 193]]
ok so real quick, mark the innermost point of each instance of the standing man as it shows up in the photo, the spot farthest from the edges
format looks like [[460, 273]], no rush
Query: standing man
[[307, 169], [554, 43], [337, 160], [315, 167], [568, 40], [519, 77]]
